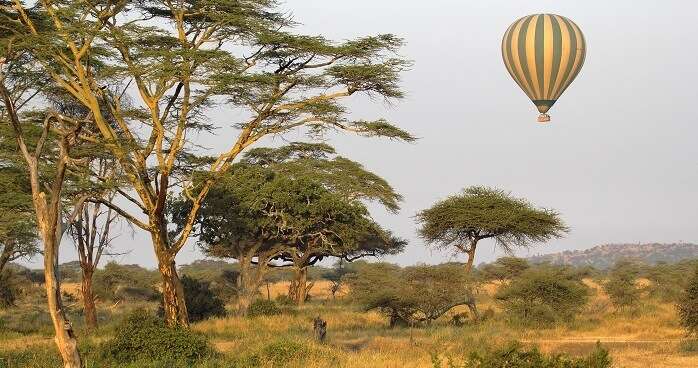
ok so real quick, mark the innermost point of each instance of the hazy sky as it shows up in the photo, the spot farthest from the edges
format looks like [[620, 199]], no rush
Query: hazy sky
[[619, 160]]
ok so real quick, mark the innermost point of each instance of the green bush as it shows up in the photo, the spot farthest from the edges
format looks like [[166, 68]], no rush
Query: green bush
[[29, 320], [279, 353], [8, 289], [688, 306], [143, 337], [263, 307], [202, 303], [126, 282], [689, 346], [621, 288], [32, 357], [516, 356], [285, 300], [543, 296]]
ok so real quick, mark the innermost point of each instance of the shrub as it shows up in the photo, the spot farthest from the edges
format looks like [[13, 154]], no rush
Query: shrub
[[621, 287], [688, 346], [263, 307], [284, 300], [543, 296], [8, 290], [515, 356], [125, 282], [412, 294], [201, 302], [688, 306], [143, 337]]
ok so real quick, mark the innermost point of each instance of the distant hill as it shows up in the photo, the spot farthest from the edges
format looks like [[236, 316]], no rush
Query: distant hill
[[605, 256]]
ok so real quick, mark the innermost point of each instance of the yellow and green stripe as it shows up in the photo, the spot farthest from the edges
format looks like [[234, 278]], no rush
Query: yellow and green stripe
[[543, 53]]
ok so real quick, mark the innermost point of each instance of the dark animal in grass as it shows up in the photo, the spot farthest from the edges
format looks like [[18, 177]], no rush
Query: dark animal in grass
[[319, 328]]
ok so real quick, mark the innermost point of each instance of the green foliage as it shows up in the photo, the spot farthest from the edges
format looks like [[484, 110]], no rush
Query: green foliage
[[480, 213], [221, 275], [125, 282], [504, 268], [294, 196], [516, 356], [284, 300], [412, 294], [542, 296], [621, 288], [687, 306], [667, 281], [9, 289], [201, 302], [32, 357], [263, 307], [689, 346], [143, 337]]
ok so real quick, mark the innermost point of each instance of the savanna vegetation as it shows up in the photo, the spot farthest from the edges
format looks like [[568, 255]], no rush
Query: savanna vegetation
[[104, 104]]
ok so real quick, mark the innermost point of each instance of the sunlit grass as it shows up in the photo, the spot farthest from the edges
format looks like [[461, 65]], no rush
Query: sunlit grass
[[359, 339]]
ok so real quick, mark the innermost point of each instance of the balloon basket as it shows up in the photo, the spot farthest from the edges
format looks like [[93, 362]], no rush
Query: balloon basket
[[543, 118]]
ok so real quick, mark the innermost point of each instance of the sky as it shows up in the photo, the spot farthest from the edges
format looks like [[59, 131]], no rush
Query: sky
[[619, 160]]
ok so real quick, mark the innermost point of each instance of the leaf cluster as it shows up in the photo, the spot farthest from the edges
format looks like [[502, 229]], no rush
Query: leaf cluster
[[481, 213]]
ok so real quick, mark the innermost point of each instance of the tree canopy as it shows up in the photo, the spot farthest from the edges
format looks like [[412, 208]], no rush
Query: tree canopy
[[478, 213], [179, 62]]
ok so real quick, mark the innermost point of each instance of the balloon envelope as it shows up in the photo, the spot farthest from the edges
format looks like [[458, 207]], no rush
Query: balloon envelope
[[543, 53]]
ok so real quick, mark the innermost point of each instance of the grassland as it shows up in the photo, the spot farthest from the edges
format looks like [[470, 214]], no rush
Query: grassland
[[646, 338]]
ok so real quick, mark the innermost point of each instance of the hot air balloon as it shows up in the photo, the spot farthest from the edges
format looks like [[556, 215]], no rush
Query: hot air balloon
[[543, 53]]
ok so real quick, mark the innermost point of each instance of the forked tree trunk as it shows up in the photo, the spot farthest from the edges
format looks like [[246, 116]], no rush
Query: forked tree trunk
[[6, 255], [65, 337], [88, 300], [246, 287], [472, 306], [174, 303], [299, 288], [471, 257]]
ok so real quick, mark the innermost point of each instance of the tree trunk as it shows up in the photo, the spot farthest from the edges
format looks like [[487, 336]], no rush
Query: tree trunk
[[472, 306], [301, 286], [7, 250], [247, 288], [88, 300], [471, 257], [174, 303], [65, 337]]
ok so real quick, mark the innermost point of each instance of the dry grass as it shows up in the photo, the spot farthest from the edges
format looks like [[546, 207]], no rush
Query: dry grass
[[645, 339]]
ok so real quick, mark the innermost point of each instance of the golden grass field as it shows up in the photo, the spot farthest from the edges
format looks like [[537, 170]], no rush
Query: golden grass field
[[357, 339]]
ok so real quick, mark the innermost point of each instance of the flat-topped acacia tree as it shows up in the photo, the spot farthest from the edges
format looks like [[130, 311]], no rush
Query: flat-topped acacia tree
[[183, 60], [292, 206], [460, 221]]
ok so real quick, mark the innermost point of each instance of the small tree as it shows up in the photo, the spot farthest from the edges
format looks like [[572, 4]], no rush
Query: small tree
[[291, 207], [687, 306], [543, 295], [461, 221], [335, 276], [504, 268], [621, 287], [409, 295]]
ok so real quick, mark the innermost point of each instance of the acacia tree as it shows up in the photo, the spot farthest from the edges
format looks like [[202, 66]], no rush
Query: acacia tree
[[461, 221], [186, 58], [91, 235], [289, 207], [42, 141]]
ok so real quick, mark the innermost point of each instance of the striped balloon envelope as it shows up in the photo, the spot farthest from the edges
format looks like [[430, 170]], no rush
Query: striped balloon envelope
[[543, 53]]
